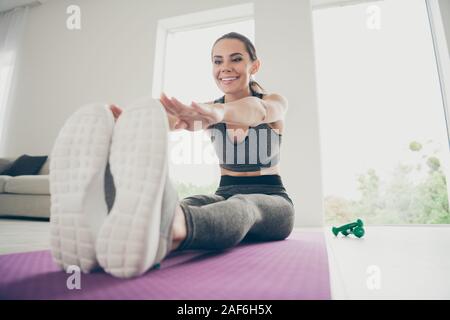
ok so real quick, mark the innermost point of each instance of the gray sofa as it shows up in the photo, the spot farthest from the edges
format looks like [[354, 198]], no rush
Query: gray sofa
[[25, 196]]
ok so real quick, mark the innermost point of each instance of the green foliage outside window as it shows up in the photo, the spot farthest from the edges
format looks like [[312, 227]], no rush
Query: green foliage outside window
[[189, 189], [401, 200]]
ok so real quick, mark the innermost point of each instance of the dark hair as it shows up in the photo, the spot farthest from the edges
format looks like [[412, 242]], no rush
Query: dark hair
[[250, 49]]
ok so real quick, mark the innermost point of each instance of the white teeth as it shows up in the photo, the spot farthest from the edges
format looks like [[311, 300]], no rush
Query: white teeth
[[227, 79]]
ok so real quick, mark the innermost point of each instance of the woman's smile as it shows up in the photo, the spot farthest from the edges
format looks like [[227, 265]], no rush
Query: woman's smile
[[228, 80]]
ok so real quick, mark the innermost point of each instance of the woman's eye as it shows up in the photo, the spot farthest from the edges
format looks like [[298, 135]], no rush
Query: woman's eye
[[234, 60]]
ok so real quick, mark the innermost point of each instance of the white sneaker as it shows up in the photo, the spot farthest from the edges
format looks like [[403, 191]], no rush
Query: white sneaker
[[77, 167], [127, 243]]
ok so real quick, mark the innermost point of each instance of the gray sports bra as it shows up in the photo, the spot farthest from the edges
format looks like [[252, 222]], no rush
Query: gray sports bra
[[260, 148]]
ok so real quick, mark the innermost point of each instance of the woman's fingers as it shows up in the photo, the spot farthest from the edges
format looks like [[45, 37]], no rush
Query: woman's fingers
[[184, 109], [206, 114], [197, 107], [178, 106], [113, 107], [174, 107], [202, 110], [186, 114], [169, 109], [116, 111], [181, 125], [167, 104]]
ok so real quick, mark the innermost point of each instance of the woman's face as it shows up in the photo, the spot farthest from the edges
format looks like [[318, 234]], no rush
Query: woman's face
[[232, 66]]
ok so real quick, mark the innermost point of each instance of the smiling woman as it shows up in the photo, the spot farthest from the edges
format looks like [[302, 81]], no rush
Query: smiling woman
[[251, 202], [245, 110], [249, 182]]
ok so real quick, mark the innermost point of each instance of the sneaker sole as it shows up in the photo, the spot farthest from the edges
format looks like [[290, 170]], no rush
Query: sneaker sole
[[77, 167], [128, 240]]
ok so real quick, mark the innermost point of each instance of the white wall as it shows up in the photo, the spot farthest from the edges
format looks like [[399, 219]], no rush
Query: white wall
[[285, 46], [111, 59]]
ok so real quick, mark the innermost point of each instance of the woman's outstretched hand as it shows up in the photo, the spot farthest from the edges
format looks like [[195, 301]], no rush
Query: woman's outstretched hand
[[116, 111], [197, 116]]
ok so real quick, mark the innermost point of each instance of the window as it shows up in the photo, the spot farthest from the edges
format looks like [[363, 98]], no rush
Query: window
[[187, 75], [384, 141]]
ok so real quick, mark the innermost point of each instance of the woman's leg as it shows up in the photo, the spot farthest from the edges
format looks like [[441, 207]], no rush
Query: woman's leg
[[179, 228], [224, 224], [277, 218]]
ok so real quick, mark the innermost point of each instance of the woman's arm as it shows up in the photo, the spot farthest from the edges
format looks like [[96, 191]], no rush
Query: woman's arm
[[276, 107], [248, 111], [252, 111]]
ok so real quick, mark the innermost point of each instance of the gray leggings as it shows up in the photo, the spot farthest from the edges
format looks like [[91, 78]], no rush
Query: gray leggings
[[237, 213]]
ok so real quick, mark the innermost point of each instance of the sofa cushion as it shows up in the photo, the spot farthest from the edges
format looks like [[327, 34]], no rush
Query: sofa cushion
[[5, 164], [28, 185], [24, 205], [46, 167], [3, 180], [25, 165]]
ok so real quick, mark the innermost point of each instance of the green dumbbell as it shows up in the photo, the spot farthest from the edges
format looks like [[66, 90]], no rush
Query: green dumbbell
[[355, 228]]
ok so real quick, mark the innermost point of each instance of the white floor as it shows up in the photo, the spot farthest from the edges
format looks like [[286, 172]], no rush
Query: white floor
[[23, 235], [390, 262]]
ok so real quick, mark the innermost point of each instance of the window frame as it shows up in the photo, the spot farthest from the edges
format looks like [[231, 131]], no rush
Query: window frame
[[441, 52], [197, 20]]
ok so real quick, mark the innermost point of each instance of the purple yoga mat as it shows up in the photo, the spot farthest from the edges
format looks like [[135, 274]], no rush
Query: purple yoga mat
[[296, 268]]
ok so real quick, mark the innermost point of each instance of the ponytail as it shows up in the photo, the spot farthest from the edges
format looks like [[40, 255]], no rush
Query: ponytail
[[253, 84]]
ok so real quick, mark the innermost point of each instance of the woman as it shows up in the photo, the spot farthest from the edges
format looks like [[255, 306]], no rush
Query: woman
[[250, 203]]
